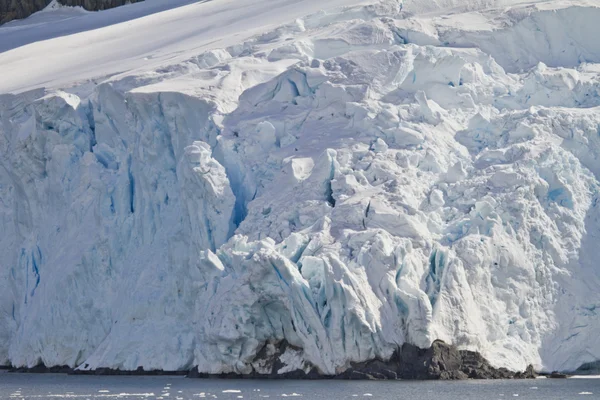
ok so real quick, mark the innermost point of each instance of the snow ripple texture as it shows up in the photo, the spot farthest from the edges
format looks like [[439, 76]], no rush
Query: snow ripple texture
[[350, 181]]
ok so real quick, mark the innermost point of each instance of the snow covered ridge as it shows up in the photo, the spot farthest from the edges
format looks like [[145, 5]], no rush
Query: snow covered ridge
[[347, 182]]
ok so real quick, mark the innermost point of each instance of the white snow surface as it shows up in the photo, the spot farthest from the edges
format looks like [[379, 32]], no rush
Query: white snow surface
[[182, 182]]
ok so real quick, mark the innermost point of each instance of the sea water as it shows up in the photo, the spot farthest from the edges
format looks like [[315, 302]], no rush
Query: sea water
[[59, 386]]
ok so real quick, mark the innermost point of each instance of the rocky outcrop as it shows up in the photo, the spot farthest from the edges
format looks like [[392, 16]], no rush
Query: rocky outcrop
[[439, 362], [17, 9], [96, 5], [42, 369], [557, 375]]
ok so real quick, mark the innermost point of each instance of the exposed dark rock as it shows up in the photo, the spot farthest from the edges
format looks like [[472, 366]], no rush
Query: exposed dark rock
[[529, 373], [557, 375], [97, 5], [18, 9], [42, 369], [374, 369], [268, 362], [193, 373], [439, 362]]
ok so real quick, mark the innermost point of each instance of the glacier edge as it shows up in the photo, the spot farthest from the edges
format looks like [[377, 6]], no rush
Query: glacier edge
[[344, 191]]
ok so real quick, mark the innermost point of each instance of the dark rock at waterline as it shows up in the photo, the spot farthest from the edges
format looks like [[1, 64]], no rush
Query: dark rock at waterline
[[557, 375], [269, 358], [42, 369], [18, 9], [529, 373], [139, 371], [372, 370], [439, 362]]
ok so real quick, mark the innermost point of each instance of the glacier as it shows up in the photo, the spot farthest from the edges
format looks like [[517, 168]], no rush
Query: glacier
[[346, 180]]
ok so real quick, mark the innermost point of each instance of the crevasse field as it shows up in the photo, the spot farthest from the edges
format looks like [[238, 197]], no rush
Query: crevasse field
[[182, 182]]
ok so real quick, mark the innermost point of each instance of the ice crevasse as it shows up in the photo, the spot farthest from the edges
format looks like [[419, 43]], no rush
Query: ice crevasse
[[349, 181]]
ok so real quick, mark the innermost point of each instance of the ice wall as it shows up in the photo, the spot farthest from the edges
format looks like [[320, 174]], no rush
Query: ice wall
[[347, 182]]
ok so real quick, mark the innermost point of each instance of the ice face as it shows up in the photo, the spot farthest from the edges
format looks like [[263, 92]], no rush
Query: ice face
[[347, 182]]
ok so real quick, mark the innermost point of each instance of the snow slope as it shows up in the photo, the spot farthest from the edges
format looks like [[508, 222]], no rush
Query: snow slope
[[183, 184], [138, 36]]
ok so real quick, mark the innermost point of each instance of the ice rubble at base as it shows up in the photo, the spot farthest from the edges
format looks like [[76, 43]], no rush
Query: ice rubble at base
[[344, 190]]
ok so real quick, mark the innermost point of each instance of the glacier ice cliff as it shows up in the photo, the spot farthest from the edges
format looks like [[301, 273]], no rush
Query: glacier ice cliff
[[348, 182]]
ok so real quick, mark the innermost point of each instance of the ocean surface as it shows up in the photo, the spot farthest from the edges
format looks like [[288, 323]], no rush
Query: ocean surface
[[57, 386]]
